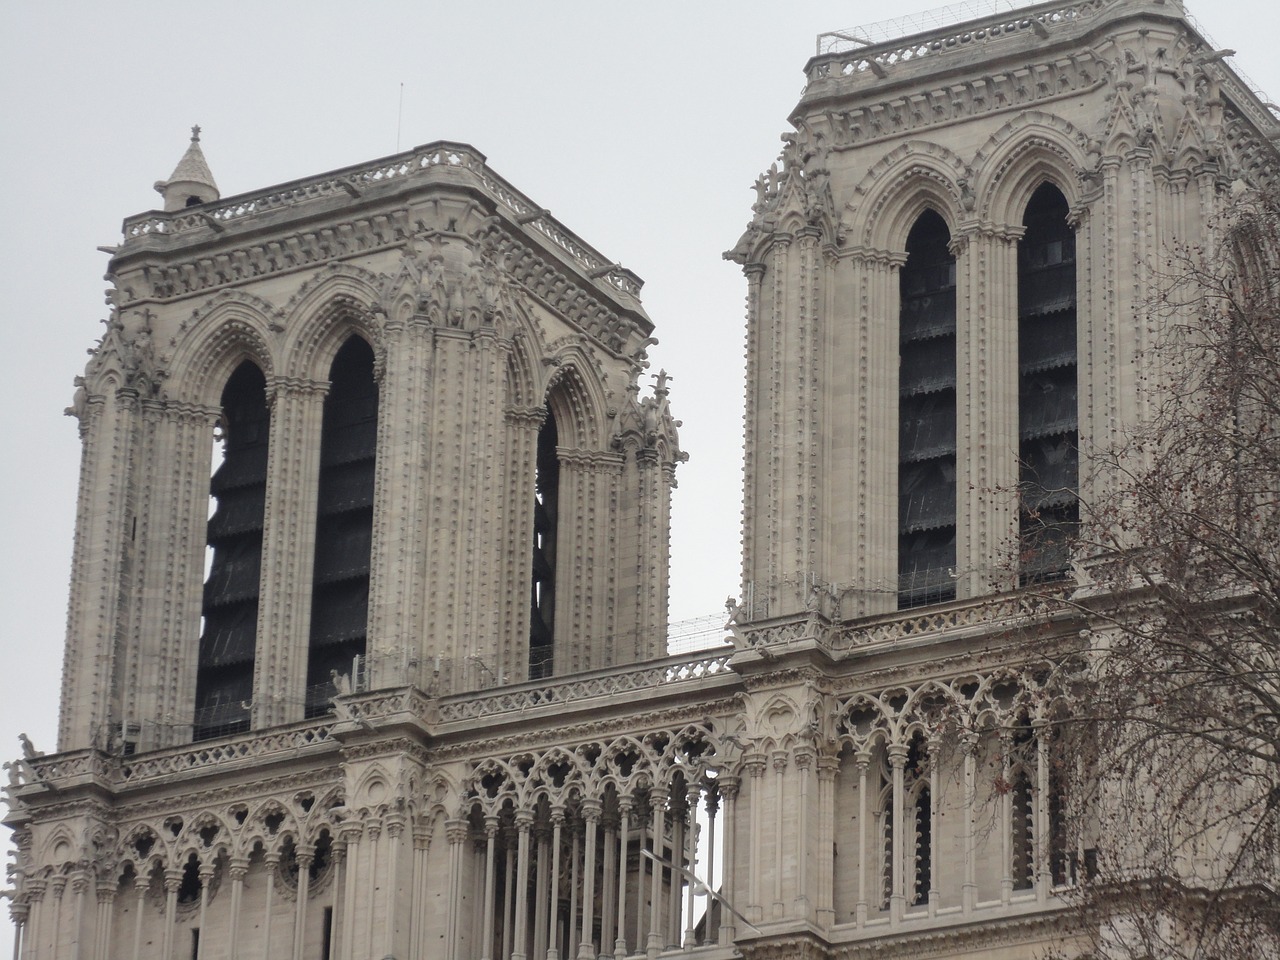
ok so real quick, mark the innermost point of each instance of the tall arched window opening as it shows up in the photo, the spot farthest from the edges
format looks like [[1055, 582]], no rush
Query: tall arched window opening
[[542, 597], [228, 642], [1048, 418], [927, 417], [344, 524]]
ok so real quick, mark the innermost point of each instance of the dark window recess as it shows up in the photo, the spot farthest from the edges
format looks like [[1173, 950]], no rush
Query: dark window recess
[[920, 842], [927, 427], [929, 366], [1022, 808], [927, 416], [1048, 406], [1047, 403], [542, 594], [224, 673], [344, 522], [1046, 344]]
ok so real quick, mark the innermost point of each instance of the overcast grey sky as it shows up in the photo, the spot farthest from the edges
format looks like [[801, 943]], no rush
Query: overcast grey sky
[[641, 127]]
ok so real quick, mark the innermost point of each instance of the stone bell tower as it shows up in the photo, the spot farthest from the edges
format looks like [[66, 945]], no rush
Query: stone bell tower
[[435, 464], [383, 429]]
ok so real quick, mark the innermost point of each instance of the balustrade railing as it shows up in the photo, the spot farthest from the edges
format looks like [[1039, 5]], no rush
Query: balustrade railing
[[620, 680], [352, 182], [860, 54]]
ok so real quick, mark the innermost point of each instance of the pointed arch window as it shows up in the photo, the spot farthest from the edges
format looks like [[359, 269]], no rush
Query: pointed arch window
[[927, 416], [344, 523], [228, 642], [1048, 410], [546, 509]]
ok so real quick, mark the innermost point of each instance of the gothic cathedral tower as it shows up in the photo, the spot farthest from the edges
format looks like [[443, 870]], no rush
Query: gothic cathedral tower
[[365, 656], [377, 430], [433, 468]]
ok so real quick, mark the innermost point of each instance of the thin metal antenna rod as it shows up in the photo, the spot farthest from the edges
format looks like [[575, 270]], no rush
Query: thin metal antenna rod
[[400, 116]]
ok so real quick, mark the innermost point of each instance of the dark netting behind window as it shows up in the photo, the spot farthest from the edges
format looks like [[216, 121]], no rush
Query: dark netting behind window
[[927, 417], [542, 596], [224, 673], [1048, 410], [344, 523]]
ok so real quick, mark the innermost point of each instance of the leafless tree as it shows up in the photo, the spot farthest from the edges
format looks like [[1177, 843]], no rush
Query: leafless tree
[[1176, 743]]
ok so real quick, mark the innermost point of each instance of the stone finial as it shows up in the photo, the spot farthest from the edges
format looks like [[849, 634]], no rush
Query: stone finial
[[191, 183]]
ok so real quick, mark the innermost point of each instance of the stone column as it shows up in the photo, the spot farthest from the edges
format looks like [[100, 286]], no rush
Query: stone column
[[728, 785], [541, 883], [456, 833], [935, 826], [350, 834], [372, 842], [491, 837], [804, 762], [19, 912], [624, 815], [306, 856], [395, 824], [140, 902], [418, 911], [172, 880], [862, 759], [508, 895], [643, 838], [79, 885], [272, 864], [693, 797], [678, 814], [608, 888], [779, 803], [36, 891], [1006, 820], [574, 893], [969, 746], [557, 822], [986, 408], [105, 890], [591, 816], [524, 823], [828, 770], [658, 800], [897, 884], [206, 878], [755, 802], [238, 869], [288, 550]]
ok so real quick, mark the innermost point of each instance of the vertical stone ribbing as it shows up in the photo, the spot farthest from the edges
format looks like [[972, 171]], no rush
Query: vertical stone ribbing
[[862, 596], [109, 429], [875, 588], [522, 426], [798, 378], [1095, 348], [973, 343], [288, 549], [987, 421], [755, 445], [1145, 223], [397, 553], [161, 676]]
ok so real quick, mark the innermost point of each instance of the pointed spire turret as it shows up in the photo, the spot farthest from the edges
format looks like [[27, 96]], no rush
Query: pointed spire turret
[[191, 182]]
